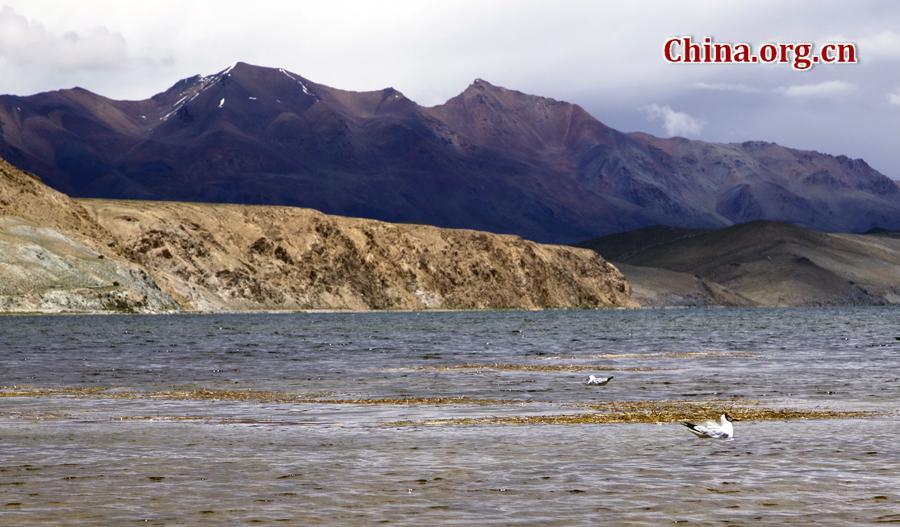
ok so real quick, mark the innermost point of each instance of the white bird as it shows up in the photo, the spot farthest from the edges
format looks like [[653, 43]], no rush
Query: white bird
[[721, 429], [597, 381]]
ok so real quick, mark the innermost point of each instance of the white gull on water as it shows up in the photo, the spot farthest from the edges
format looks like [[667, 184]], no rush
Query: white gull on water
[[721, 429], [597, 381]]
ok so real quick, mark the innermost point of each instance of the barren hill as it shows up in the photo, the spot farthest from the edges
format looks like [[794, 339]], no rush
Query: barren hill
[[757, 263], [59, 254]]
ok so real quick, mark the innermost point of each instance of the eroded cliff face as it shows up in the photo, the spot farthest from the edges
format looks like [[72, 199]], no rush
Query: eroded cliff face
[[229, 257], [55, 258], [63, 255], [45, 271]]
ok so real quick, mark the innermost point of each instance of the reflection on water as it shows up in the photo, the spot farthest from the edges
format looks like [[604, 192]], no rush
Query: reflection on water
[[270, 419]]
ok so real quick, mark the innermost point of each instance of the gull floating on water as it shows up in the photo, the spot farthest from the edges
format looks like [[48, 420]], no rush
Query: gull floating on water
[[721, 429], [598, 381]]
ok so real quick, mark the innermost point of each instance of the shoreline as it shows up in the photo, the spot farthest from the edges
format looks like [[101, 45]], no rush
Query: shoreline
[[421, 311], [312, 311]]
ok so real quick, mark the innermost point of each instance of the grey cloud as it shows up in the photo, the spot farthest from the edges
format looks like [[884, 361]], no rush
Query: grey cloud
[[605, 56], [674, 123], [894, 97], [25, 42], [725, 86], [884, 45], [822, 89]]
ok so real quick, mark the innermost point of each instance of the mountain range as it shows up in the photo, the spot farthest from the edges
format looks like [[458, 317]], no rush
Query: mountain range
[[491, 159]]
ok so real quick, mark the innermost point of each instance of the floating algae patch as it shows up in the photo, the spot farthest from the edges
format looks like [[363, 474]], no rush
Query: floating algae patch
[[281, 397], [34, 416], [668, 411], [523, 367], [674, 355], [194, 419], [425, 401], [162, 418], [648, 412], [659, 355], [250, 396], [17, 391]]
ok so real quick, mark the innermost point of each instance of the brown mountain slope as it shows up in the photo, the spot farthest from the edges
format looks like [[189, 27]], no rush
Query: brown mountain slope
[[225, 257], [24, 196], [770, 264], [655, 287], [59, 254]]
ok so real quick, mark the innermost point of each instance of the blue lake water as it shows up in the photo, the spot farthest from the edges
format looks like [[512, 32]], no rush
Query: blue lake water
[[71, 456]]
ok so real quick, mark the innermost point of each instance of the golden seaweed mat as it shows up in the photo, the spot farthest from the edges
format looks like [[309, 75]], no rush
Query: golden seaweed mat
[[610, 412]]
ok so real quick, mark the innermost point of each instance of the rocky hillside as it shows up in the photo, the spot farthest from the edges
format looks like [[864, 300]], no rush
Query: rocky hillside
[[55, 258], [491, 159], [63, 255], [227, 257], [758, 263]]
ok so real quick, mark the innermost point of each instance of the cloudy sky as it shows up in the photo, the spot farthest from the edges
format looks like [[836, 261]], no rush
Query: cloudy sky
[[608, 58]]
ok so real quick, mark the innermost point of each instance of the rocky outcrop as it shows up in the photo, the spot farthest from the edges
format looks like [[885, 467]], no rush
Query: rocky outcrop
[[45, 271], [63, 255], [235, 257]]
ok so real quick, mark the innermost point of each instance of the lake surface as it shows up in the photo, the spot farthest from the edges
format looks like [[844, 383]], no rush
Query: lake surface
[[130, 454]]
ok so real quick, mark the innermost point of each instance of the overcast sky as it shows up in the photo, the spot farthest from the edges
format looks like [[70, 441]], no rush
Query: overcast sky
[[607, 58]]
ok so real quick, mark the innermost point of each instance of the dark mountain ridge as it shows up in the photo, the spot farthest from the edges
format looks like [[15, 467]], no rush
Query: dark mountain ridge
[[490, 159]]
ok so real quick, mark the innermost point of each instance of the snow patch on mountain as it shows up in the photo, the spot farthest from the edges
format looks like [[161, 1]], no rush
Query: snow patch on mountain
[[298, 81]]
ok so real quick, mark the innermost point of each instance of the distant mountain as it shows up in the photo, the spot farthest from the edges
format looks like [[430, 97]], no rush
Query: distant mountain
[[490, 159], [755, 264]]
